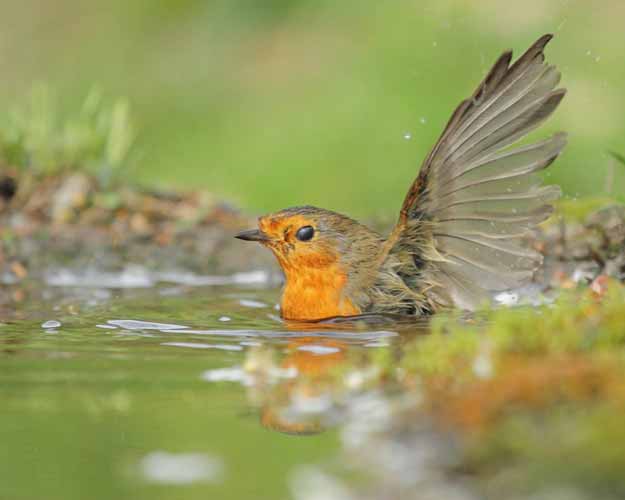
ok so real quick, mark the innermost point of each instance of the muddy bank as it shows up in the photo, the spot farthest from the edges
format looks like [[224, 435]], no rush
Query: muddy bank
[[66, 230]]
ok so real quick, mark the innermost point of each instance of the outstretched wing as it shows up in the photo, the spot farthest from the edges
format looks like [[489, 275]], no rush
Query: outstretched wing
[[476, 195]]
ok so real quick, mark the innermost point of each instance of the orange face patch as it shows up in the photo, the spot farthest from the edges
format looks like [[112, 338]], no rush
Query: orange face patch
[[290, 252], [283, 228]]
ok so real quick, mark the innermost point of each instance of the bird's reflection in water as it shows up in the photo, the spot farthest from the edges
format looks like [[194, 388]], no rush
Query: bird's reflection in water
[[305, 385], [304, 403]]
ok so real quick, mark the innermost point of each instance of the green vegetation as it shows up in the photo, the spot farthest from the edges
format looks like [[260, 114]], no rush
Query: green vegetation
[[310, 102], [39, 138]]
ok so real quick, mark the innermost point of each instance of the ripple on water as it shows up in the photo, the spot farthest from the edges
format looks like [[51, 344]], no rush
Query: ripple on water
[[319, 349], [349, 336], [133, 324], [252, 303], [181, 468], [229, 374], [52, 323], [136, 276], [198, 345]]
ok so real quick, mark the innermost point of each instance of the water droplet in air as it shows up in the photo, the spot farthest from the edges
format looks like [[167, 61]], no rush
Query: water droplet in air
[[423, 120], [407, 136], [51, 324]]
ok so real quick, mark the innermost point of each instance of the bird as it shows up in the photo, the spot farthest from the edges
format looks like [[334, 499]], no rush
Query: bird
[[459, 237]]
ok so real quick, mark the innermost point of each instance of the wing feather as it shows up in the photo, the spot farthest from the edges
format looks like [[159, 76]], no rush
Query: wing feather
[[477, 197]]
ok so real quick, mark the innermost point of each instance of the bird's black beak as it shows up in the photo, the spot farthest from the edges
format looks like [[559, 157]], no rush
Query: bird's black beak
[[252, 235]]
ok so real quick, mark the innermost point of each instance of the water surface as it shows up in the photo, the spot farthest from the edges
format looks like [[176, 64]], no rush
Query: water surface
[[178, 391]]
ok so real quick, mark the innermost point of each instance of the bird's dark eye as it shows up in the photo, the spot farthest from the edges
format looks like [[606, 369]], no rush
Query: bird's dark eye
[[305, 233]]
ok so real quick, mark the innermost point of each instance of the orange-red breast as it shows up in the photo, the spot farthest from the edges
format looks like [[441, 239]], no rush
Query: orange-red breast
[[458, 237]]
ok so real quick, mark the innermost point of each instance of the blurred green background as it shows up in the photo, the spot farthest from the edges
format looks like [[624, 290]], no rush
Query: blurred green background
[[274, 103]]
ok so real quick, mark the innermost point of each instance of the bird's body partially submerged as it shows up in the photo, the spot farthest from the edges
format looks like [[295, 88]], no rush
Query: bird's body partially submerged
[[458, 237]]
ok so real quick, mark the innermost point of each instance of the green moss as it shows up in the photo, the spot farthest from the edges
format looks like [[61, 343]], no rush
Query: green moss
[[578, 322]]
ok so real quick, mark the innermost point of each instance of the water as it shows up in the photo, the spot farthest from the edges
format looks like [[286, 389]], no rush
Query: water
[[149, 393], [178, 390]]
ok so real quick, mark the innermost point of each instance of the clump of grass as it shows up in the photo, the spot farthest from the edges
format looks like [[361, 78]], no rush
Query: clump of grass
[[38, 138]]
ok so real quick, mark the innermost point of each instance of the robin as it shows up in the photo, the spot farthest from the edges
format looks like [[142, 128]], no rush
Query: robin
[[459, 236]]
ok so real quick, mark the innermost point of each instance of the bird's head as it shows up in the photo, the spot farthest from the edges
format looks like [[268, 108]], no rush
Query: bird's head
[[309, 238], [325, 256], [304, 238]]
